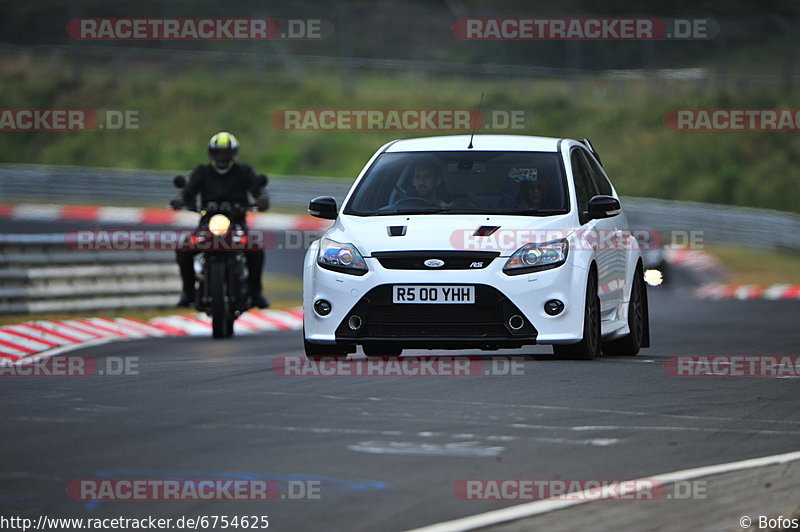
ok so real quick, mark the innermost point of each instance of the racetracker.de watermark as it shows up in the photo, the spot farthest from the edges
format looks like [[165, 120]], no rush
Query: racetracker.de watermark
[[733, 119], [733, 366], [529, 489], [71, 366], [193, 29], [213, 489], [101, 489], [584, 29], [397, 119], [187, 240], [68, 119], [300, 366], [505, 240]]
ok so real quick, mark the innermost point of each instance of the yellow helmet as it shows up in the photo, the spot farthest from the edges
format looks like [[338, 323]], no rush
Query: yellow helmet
[[222, 150]]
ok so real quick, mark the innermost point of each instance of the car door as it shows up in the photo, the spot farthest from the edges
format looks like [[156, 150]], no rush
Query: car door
[[620, 228], [598, 234]]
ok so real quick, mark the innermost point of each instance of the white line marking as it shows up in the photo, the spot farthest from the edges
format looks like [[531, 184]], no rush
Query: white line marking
[[582, 409], [543, 407], [531, 509], [595, 442], [655, 428], [404, 448], [66, 349]]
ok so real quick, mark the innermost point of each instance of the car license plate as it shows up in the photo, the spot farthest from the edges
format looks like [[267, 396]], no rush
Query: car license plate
[[412, 293]]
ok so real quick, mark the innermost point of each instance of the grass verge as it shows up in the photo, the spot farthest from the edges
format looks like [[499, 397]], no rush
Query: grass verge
[[756, 266]]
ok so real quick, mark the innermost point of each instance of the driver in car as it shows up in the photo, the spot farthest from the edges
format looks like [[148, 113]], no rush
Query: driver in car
[[426, 184], [531, 195]]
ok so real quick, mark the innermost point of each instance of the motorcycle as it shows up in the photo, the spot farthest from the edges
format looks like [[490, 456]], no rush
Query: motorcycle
[[220, 266]]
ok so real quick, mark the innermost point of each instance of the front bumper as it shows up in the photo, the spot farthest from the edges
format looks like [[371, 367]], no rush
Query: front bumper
[[483, 324], [492, 321]]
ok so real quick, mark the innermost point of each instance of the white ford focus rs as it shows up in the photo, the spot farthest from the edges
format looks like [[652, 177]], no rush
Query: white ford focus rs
[[493, 242]]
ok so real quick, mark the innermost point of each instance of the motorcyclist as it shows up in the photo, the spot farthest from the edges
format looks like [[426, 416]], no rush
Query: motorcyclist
[[223, 179]]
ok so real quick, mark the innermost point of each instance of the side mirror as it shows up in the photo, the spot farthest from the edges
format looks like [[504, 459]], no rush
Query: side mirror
[[262, 181], [323, 207], [179, 181], [603, 207]]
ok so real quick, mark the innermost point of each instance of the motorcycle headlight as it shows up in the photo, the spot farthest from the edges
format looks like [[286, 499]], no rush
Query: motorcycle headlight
[[338, 257], [219, 224], [536, 257]]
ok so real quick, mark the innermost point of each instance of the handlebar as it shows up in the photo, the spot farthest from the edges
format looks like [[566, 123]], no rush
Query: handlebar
[[261, 204], [177, 204]]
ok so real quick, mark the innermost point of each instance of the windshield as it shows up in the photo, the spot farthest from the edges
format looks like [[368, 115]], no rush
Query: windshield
[[525, 183]]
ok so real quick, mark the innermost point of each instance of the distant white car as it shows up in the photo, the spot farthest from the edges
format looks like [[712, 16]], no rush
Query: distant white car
[[497, 242]]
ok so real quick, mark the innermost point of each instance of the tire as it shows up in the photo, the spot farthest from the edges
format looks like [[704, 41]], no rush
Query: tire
[[318, 351], [221, 319], [589, 346], [630, 344], [379, 350]]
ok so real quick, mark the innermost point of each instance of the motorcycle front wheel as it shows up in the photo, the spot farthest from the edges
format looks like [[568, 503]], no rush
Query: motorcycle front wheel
[[221, 319]]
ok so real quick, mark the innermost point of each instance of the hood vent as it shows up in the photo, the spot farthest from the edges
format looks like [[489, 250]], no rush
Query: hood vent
[[485, 230], [396, 230]]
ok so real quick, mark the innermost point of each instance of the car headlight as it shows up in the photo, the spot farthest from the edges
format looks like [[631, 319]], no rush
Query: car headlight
[[338, 257], [653, 277], [535, 257], [219, 224]]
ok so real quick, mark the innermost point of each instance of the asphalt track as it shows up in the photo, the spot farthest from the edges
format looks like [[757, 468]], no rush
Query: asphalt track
[[388, 450]]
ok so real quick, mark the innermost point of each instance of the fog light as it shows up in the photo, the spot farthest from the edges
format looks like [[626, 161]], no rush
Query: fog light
[[354, 322], [322, 307], [516, 322], [553, 307]]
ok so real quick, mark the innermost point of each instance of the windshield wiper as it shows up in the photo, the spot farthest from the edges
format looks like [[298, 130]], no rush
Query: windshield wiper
[[461, 210], [467, 210], [450, 210], [535, 212], [410, 211]]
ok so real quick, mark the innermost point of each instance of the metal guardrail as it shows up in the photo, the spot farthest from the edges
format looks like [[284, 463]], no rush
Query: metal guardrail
[[760, 228], [756, 228], [114, 186], [40, 273]]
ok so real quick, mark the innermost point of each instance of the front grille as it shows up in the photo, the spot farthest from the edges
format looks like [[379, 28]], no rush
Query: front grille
[[453, 260], [486, 318], [421, 314], [436, 331]]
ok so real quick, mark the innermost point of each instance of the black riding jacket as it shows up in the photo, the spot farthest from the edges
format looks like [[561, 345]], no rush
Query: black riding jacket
[[233, 186]]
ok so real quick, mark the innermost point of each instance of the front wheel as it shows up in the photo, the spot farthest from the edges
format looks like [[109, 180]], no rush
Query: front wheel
[[589, 346], [630, 344], [221, 319]]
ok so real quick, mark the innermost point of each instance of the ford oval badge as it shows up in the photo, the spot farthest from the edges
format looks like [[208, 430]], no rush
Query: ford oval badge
[[434, 263]]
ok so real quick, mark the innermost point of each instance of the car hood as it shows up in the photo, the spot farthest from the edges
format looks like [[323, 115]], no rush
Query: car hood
[[448, 232]]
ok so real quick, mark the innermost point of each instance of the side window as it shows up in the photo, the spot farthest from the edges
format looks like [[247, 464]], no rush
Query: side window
[[584, 185], [600, 179]]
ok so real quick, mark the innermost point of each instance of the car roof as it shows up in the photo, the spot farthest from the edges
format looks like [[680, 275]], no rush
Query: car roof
[[479, 143]]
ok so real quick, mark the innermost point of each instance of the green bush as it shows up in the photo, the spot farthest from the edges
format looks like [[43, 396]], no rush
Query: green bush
[[179, 112]]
